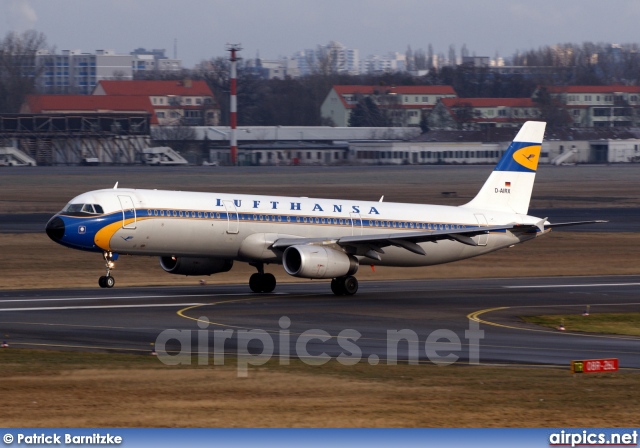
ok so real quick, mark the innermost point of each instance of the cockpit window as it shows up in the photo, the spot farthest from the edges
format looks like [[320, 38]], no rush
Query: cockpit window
[[72, 208], [90, 209]]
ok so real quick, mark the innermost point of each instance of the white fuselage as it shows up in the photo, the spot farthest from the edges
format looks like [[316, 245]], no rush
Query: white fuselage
[[242, 227]]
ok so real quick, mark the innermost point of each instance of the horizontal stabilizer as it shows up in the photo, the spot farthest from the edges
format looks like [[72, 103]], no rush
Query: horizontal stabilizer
[[575, 223]]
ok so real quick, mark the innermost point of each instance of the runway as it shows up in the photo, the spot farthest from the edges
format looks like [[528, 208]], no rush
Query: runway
[[465, 321]]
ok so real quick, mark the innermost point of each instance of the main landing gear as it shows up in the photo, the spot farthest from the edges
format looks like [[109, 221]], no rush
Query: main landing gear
[[107, 281], [344, 286], [261, 282]]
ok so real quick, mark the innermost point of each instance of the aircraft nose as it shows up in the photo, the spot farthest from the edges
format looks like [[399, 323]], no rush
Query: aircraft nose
[[55, 228]]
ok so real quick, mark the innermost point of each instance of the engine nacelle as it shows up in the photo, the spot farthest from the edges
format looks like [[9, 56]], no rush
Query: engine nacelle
[[318, 262], [194, 266]]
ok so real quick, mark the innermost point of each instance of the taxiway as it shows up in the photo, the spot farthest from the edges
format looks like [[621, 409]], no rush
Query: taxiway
[[440, 317]]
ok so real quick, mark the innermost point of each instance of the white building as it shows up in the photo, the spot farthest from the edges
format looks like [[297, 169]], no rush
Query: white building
[[404, 105], [73, 71], [277, 68], [393, 62], [333, 57]]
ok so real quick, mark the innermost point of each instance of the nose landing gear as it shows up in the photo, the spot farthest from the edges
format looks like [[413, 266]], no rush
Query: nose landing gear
[[107, 281]]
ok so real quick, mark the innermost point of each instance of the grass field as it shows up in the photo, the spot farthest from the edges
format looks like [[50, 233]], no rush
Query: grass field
[[610, 323], [61, 389]]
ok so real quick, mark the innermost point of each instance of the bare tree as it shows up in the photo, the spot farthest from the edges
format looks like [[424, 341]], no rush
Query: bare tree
[[464, 114], [216, 73], [18, 70]]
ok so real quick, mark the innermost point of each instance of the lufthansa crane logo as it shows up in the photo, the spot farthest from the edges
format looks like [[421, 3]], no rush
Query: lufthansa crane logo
[[528, 157]]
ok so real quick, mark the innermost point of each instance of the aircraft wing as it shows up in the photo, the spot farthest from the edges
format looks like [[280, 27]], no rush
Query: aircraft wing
[[371, 245]]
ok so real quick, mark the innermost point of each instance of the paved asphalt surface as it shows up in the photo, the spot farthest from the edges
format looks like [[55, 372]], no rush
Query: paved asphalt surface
[[130, 319]]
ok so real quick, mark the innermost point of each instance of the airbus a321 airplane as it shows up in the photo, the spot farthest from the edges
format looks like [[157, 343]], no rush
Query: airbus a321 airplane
[[204, 233]]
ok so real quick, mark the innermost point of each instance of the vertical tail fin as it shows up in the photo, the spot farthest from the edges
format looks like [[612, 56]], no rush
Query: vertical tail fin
[[509, 187]]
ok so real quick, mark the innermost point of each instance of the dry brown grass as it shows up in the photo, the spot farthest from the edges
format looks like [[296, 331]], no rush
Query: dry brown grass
[[33, 261], [129, 391]]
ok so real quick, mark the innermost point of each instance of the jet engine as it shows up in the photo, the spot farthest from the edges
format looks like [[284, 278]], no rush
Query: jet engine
[[318, 262], [194, 266]]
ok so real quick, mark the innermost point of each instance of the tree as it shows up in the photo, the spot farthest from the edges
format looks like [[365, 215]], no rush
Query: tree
[[367, 114], [551, 110], [216, 73], [464, 114], [18, 70], [411, 66]]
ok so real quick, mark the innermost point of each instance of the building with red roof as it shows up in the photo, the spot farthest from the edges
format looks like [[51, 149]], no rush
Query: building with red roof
[[598, 106], [479, 113], [84, 104], [406, 103], [185, 102]]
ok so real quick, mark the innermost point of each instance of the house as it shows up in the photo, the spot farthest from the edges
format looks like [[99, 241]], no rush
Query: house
[[405, 105], [598, 106], [85, 104], [187, 102], [480, 113]]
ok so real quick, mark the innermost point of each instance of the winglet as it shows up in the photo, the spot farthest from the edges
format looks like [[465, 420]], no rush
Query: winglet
[[115, 187]]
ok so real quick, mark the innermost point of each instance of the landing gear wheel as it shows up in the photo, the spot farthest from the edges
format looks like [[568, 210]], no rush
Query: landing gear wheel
[[337, 287], [269, 283], [262, 282], [106, 281], [344, 285], [350, 285], [254, 282]]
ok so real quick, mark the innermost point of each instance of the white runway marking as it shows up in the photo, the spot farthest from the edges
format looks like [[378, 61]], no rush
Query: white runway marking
[[75, 299], [586, 285], [96, 307]]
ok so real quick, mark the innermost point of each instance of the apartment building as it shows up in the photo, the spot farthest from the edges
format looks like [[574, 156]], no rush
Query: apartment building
[[599, 106], [405, 105], [481, 113], [185, 102], [77, 72]]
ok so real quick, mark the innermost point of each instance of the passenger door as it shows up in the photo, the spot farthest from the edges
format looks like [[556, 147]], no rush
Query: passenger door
[[233, 220], [129, 217]]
